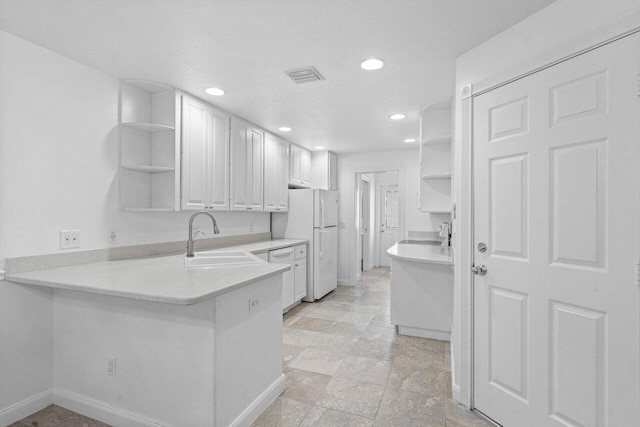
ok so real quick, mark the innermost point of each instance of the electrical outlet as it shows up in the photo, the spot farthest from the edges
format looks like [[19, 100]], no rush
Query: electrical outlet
[[113, 237], [69, 239], [253, 303], [111, 366]]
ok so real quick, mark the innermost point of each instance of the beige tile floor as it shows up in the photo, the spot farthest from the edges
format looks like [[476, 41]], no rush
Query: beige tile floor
[[346, 366], [55, 416]]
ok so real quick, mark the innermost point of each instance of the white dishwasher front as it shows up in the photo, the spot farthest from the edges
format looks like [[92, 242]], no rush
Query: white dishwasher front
[[286, 256]]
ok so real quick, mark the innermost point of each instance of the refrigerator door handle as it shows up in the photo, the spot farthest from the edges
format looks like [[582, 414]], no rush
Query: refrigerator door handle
[[321, 211], [321, 241]]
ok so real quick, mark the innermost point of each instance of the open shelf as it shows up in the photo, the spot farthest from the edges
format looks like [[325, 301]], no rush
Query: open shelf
[[148, 168], [149, 127], [437, 176], [149, 147], [445, 139]]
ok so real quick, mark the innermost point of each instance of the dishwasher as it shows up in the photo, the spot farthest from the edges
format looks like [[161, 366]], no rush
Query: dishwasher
[[286, 256]]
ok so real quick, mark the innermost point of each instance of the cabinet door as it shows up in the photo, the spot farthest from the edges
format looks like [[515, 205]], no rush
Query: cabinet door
[[271, 173], [294, 165], [196, 163], [300, 279], [239, 154], [282, 177], [333, 171], [219, 153], [254, 169], [305, 167]]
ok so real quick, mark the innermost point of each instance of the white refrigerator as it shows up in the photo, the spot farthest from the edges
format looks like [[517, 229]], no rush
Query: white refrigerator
[[313, 216]]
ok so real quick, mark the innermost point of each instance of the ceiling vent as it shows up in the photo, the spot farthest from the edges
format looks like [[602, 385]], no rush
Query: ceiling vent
[[304, 75]]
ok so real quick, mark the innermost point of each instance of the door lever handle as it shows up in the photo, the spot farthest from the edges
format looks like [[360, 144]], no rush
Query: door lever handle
[[480, 270]]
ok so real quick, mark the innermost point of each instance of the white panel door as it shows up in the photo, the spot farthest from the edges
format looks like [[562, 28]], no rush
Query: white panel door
[[389, 232], [305, 167], [556, 179], [300, 275]]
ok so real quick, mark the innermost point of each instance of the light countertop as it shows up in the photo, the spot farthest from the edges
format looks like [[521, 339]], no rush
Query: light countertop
[[161, 279], [421, 253]]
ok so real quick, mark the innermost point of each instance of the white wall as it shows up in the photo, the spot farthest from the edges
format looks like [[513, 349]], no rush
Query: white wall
[[59, 159], [348, 164], [59, 170]]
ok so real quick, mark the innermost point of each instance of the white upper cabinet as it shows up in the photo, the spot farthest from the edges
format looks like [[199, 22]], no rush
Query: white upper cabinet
[[299, 167], [324, 166], [276, 174], [205, 156], [246, 166]]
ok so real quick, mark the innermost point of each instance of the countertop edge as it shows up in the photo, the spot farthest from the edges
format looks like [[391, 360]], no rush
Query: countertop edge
[[146, 297], [392, 253]]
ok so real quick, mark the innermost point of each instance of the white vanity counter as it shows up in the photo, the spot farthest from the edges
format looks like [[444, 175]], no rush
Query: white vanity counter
[[160, 279]]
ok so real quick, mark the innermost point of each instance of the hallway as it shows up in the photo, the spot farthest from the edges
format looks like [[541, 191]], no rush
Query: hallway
[[346, 366]]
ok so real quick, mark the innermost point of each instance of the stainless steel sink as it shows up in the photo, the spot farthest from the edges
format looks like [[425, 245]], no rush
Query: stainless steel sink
[[220, 258]]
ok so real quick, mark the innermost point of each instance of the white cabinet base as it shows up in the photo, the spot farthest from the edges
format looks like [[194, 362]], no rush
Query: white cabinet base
[[424, 333], [422, 299]]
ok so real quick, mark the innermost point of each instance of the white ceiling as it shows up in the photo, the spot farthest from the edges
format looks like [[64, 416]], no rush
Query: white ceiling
[[243, 46]]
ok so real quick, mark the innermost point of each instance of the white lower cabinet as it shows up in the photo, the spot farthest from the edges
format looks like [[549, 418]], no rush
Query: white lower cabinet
[[300, 274], [294, 281]]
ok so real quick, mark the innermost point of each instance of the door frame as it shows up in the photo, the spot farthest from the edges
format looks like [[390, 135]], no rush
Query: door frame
[[353, 227], [462, 335], [366, 235]]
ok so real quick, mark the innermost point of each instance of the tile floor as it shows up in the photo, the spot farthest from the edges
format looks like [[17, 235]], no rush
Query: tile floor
[[55, 416], [346, 366]]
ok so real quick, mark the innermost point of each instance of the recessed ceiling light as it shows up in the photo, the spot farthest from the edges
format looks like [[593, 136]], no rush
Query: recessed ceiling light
[[372, 64], [410, 140], [284, 129], [319, 147], [215, 91], [397, 116]]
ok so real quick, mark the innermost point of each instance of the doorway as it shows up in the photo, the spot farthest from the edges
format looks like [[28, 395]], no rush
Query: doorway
[[377, 222]]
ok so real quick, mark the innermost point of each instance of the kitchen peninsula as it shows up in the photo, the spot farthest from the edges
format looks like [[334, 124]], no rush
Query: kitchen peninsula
[[154, 343]]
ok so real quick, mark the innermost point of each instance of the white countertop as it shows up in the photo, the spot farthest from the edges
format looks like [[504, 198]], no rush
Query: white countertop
[[161, 279], [421, 253]]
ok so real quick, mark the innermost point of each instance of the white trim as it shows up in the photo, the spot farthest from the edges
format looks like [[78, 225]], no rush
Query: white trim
[[258, 406], [424, 333], [101, 411], [463, 238], [344, 282], [26, 407]]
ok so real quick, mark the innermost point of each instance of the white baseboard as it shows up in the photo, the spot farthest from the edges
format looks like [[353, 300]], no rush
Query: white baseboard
[[344, 282], [101, 411], [258, 406], [26, 407], [424, 333]]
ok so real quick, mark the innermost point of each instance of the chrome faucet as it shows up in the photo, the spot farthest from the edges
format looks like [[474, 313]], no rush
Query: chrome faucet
[[190, 241]]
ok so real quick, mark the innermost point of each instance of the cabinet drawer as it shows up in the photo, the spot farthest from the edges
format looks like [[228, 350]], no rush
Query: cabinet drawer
[[300, 251]]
